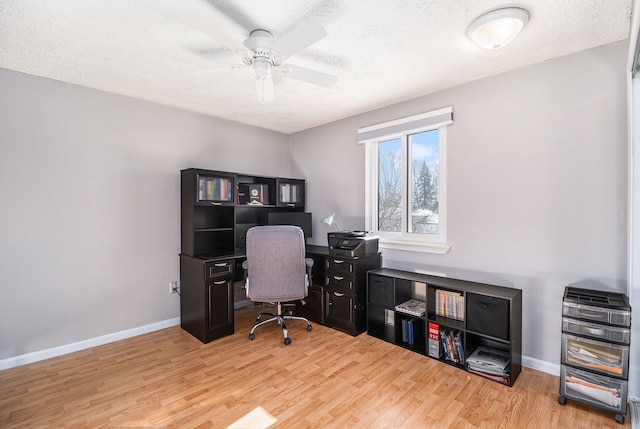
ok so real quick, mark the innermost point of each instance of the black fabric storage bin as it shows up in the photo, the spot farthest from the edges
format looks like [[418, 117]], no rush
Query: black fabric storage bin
[[381, 291], [488, 315]]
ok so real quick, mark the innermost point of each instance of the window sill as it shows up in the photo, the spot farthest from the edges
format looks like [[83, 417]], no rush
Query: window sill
[[437, 248]]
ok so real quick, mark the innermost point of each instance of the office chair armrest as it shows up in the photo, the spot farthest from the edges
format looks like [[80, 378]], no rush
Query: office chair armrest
[[309, 263], [245, 279]]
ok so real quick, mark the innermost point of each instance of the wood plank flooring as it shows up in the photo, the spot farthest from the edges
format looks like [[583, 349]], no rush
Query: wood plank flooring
[[323, 379]]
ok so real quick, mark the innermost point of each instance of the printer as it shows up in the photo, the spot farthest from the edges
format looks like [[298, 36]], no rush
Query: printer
[[352, 243]]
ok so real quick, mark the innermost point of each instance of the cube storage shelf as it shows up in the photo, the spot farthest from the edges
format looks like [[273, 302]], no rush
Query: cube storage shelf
[[491, 315], [596, 333]]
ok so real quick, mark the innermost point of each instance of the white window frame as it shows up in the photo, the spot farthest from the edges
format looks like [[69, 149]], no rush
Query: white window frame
[[402, 128]]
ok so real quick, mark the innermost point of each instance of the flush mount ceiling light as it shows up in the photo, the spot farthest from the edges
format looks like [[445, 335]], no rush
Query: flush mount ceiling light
[[497, 28]]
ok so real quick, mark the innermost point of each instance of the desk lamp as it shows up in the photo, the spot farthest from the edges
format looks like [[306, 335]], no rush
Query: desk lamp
[[330, 220]]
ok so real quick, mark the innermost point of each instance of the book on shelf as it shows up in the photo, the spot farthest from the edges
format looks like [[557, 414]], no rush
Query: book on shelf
[[453, 345], [449, 304], [412, 307], [253, 193], [435, 346], [458, 346], [410, 330], [214, 189]]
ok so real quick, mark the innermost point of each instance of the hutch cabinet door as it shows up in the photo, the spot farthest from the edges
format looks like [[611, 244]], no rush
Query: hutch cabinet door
[[290, 193], [215, 189]]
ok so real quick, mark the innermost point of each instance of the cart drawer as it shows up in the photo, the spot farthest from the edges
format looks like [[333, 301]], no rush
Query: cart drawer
[[597, 314], [596, 390], [609, 359], [603, 332]]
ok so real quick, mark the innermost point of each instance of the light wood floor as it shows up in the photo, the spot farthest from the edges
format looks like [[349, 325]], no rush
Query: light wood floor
[[323, 379]]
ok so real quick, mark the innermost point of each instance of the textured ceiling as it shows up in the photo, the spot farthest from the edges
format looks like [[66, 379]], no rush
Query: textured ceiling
[[383, 51]]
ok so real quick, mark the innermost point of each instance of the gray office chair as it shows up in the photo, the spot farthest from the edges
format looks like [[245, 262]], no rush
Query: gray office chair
[[276, 271]]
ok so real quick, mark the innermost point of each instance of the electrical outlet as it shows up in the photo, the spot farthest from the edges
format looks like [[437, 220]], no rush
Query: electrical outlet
[[173, 287]]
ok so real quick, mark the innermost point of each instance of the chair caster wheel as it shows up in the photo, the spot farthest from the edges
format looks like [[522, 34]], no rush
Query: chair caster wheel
[[309, 327], [252, 337], [287, 341], [562, 400]]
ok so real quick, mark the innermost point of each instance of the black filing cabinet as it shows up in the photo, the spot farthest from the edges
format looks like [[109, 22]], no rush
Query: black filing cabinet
[[345, 290], [206, 301]]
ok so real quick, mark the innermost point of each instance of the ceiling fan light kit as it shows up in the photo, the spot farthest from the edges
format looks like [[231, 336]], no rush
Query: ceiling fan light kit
[[266, 54], [497, 28]]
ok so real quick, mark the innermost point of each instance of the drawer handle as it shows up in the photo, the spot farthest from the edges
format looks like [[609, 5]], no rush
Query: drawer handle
[[222, 264], [338, 294], [338, 277], [221, 282], [338, 261], [291, 205], [216, 203]]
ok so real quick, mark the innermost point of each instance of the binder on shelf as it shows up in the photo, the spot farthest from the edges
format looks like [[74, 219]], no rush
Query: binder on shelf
[[405, 332], [435, 346], [411, 330], [412, 307]]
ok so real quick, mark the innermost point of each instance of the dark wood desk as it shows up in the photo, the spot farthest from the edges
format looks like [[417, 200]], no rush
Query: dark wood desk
[[336, 298]]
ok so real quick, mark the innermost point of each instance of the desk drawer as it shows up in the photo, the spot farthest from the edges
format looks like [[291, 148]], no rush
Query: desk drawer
[[339, 265], [340, 281], [609, 359], [218, 268]]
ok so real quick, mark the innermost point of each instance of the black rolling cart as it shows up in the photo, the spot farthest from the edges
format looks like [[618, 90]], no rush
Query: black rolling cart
[[596, 331]]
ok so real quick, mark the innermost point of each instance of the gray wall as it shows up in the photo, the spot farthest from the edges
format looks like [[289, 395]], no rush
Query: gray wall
[[537, 176], [89, 211]]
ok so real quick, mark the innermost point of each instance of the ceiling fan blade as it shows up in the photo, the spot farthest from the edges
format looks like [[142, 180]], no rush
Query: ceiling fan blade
[[214, 32], [264, 89], [312, 76], [303, 35]]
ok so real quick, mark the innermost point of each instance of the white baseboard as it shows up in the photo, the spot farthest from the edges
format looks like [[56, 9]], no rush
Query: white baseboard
[[13, 362], [541, 365]]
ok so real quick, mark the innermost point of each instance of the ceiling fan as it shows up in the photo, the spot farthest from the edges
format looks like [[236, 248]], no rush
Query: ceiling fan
[[266, 55]]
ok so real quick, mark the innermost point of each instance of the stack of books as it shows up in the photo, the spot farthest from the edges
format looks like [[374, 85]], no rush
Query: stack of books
[[449, 304], [490, 363], [452, 345]]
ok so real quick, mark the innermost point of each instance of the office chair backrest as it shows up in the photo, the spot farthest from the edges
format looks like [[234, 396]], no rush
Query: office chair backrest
[[276, 266]]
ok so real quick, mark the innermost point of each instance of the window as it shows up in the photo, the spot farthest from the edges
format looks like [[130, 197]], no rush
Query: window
[[406, 181]]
